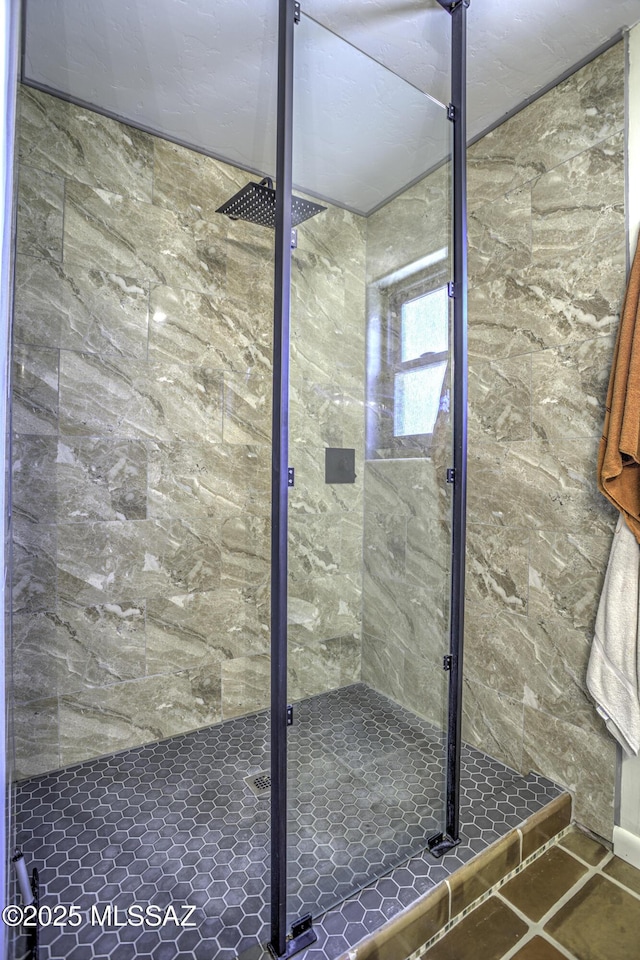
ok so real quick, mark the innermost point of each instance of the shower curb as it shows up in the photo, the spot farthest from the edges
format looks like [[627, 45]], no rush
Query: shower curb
[[428, 919]]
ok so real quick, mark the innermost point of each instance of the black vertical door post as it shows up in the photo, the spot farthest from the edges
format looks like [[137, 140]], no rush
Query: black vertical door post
[[460, 395], [279, 488]]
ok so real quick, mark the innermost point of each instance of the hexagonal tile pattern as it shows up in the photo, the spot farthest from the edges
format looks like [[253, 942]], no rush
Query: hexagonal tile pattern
[[173, 824]]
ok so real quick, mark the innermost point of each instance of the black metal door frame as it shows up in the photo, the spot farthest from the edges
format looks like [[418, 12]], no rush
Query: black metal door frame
[[279, 472], [289, 13], [460, 413]]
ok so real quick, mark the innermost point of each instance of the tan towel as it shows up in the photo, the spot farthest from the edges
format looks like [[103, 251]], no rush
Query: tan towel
[[619, 454]]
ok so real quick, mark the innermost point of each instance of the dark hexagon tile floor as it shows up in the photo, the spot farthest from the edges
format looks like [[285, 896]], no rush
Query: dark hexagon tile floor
[[175, 823]]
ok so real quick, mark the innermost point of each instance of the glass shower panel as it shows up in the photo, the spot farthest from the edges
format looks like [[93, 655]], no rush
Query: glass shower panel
[[142, 464], [369, 514]]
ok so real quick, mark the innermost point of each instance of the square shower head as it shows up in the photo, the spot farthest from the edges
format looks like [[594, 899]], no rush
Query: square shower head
[[256, 202]]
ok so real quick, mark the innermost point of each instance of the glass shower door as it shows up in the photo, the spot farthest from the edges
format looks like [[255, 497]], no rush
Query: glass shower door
[[370, 444]]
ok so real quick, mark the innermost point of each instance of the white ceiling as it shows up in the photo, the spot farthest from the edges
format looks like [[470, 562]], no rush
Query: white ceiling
[[204, 72]]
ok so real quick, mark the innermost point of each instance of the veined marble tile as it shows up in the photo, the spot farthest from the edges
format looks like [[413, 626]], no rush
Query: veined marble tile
[[500, 399], [317, 289], [181, 556], [246, 545], [350, 659], [202, 629], [428, 553], [36, 668], [137, 239], [40, 213], [425, 690], [98, 645], [385, 543], [72, 142], [383, 666], [402, 485], [411, 226], [491, 636], [191, 479], [111, 561], [566, 576], [327, 336], [311, 495], [570, 389], [121, 398], [35, 727], [324, 608], [250, 264], [192, 184], [352, 408], [498, 566], [314, 546], [506, 318], [493, 723], [544, 306], [313, 360], [556, 682], [500, 236], [101, 479], [339, 235], [313, 667], [407, 615], [577, 758], [195, 328], [106, 719], [35, 390], [246, 685], [351, 542], [321, 414], [247, 408], [34, 574], [538, 484], [60, 305], [579, 113], [549, 671], [34, 489], [579, 203]]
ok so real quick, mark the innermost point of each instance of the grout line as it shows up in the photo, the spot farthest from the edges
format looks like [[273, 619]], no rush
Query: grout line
[[537, 927], [619, 883], [528, 937]]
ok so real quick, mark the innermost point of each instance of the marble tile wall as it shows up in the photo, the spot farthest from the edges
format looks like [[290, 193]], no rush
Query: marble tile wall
[[141, 419], [327, 377], [407, 501], [547, 274]]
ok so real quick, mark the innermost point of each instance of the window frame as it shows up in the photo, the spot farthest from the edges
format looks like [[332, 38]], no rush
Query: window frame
[[382, 441]]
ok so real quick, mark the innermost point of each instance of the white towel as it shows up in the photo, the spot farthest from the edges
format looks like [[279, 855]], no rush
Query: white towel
[[612, 677]]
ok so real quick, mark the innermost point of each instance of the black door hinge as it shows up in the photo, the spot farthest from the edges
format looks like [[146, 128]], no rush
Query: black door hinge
[[296, 12], [451, 290], [302, 936], [291, 477], [451, 112], [447, 662], [289, 714], [451, 475]]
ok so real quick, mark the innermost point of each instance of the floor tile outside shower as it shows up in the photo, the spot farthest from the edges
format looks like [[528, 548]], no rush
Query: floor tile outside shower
[[176, 823], [575, 902]]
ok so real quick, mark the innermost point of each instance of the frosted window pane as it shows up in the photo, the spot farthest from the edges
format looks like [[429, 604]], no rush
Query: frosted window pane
[[425, 325], [417, 399]]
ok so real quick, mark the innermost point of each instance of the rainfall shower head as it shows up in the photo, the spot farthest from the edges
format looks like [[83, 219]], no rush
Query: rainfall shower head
[[257, 203]]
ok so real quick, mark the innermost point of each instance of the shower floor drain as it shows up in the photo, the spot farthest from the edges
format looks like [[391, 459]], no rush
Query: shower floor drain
[[259, 783]]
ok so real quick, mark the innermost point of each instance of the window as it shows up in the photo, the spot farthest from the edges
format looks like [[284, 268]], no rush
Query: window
[[422, 363], [408, 361]]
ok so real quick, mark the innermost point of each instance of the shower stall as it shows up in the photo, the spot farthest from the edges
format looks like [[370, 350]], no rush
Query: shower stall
[[239, 443]]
